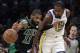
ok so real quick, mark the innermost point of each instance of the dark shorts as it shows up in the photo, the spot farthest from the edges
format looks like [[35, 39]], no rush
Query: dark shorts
[[22, 48]]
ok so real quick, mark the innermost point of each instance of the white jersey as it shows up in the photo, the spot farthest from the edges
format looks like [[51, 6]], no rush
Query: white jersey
[[54, 41], [63, 21]]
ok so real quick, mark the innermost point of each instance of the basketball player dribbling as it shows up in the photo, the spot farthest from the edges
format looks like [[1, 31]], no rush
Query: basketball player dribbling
[[57, 17], [26, 35]]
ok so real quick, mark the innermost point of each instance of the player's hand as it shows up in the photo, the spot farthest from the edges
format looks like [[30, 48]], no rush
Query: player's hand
[[67, 40]]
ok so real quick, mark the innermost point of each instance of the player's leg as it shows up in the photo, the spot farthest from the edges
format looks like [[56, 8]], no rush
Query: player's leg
[[59, 46], [46, 48]]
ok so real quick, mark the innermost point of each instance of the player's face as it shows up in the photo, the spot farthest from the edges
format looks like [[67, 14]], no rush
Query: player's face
[[20, 26], [58, 10], [37, 18], [73, 31], [17, 26]]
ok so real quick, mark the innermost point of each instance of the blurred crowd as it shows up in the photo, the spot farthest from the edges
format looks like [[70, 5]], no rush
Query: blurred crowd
[[13, 9]]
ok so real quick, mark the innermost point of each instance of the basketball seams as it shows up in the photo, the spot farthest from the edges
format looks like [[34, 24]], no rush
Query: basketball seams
[[10, 36]]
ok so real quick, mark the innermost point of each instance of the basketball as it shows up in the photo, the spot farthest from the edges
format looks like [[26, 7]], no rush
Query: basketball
[[10, 36]]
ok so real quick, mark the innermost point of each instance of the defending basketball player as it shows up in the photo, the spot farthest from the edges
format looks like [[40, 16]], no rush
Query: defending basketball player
[[57, 17]]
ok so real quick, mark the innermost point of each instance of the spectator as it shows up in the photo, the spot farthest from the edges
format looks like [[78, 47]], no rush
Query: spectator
[[72, 43]]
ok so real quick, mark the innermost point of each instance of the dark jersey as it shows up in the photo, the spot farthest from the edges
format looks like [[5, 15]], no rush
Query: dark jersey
[[25, 39]]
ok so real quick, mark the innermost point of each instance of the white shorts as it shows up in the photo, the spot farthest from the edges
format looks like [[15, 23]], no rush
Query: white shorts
[[53, 45]]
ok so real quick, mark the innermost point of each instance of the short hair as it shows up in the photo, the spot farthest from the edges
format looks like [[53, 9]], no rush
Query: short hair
[[36, 11], [59, 3]]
